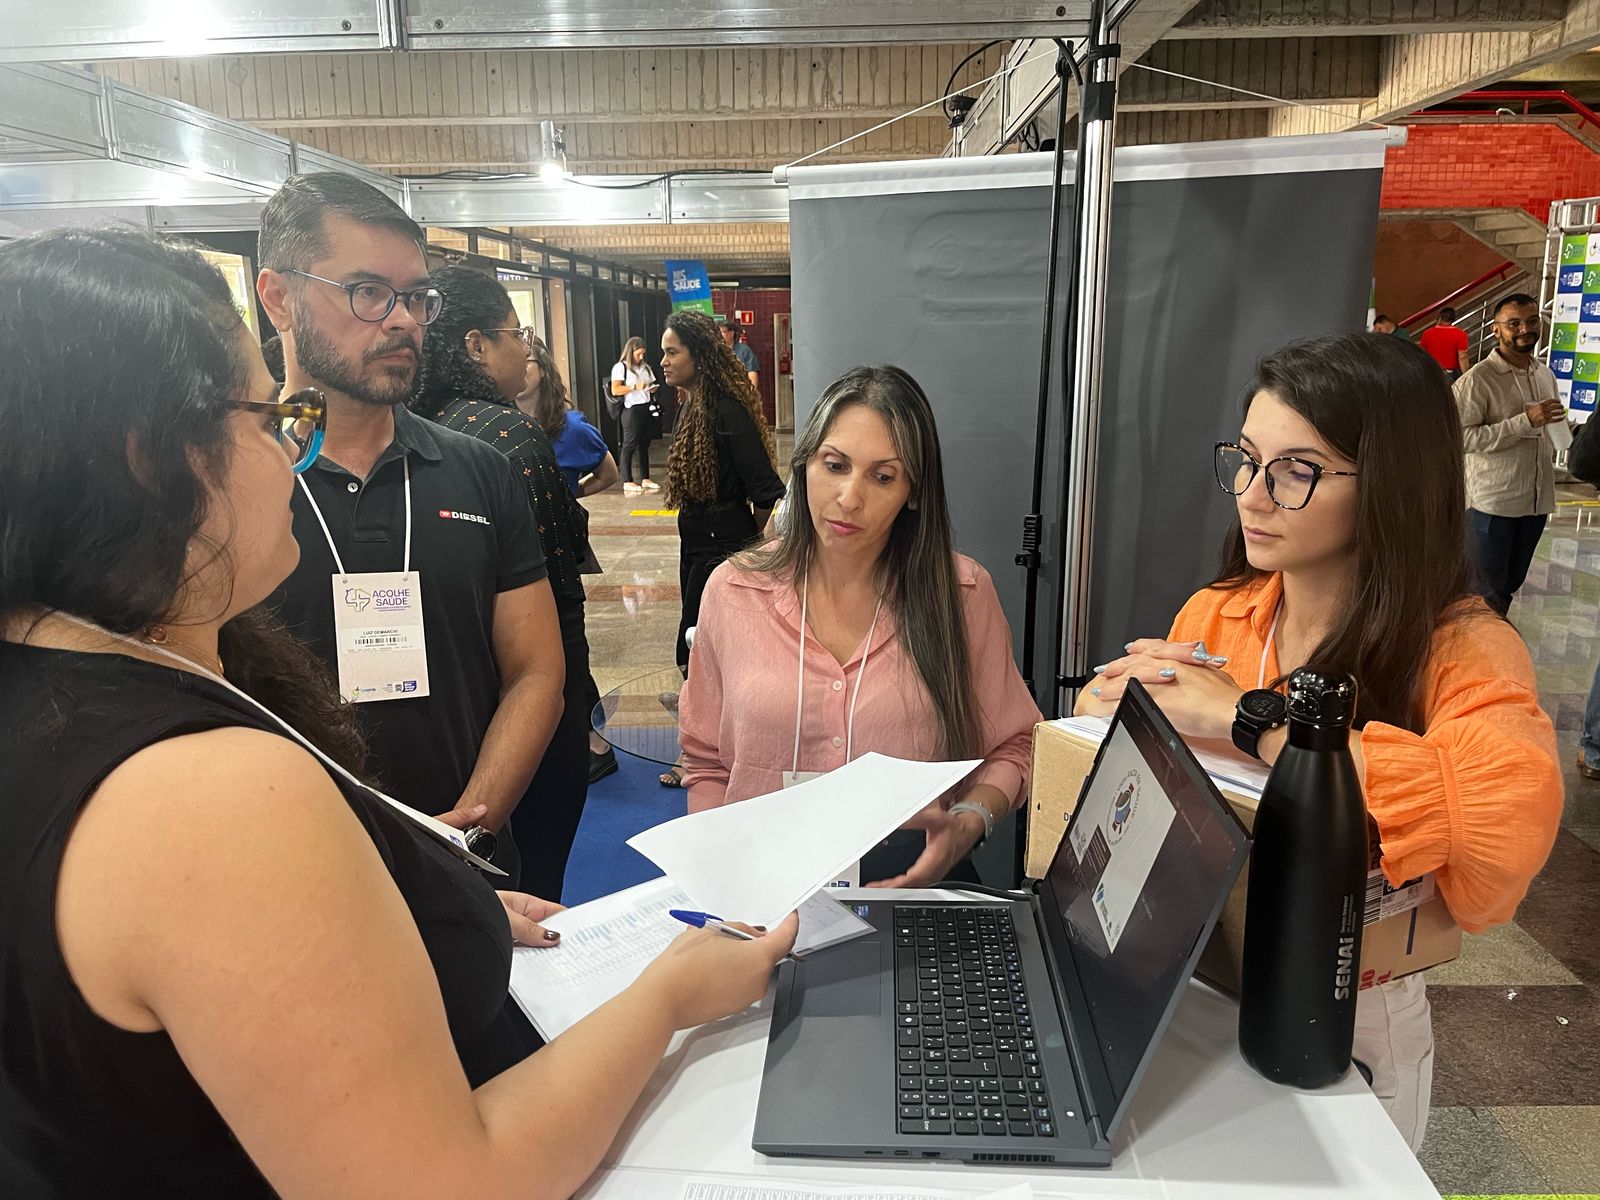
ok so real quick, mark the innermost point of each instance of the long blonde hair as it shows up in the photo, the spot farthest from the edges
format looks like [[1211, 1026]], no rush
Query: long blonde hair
[[917, 569], [692, 461]]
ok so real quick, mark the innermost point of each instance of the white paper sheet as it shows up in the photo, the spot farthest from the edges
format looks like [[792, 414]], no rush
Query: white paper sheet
[[1221, 760], [757, 860], [606, 944]]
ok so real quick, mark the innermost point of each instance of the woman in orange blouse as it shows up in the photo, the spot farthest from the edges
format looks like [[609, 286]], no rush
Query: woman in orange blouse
[[860, 628], [1350, 551]]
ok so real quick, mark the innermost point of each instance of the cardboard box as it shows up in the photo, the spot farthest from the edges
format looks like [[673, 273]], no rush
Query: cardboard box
[[1407, 929]]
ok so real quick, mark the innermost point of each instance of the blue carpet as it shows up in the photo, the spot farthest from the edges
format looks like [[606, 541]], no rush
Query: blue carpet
[[619, 806]]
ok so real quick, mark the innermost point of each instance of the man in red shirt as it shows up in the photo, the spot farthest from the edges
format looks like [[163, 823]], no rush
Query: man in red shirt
[[1447, 344]]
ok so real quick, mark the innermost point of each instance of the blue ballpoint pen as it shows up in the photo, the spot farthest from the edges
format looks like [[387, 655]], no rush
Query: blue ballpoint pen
[[702, 920]]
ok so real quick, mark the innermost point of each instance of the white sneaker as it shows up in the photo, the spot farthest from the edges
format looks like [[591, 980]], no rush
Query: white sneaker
[[648, 486], [631, 489]]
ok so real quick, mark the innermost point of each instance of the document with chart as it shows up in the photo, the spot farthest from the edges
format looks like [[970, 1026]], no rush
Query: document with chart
[[606, 943]]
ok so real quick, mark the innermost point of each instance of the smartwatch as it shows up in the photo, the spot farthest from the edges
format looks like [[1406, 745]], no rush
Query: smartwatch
[[1259, 710], [481, 842]]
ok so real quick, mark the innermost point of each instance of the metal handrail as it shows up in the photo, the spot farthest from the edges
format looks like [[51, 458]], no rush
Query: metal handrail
[[1486, 277], [1527, 97]]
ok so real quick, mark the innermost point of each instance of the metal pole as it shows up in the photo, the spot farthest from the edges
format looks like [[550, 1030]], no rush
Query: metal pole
[[1098, 115]]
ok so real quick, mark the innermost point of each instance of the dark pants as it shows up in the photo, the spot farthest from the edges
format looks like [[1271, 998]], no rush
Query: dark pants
[[1501, 549], [636, 441], [546, 822], [707, 537]]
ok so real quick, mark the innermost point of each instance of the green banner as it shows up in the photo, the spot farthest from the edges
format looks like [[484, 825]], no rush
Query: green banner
[[1587, 368], [695, 306], [1574, 249], [1564, 337]]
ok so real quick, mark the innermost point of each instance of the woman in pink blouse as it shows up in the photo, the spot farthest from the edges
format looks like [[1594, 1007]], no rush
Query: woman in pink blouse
[[861, 629]]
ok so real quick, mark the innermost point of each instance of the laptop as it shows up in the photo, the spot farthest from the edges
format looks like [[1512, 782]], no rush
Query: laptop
[[1013, 1030]]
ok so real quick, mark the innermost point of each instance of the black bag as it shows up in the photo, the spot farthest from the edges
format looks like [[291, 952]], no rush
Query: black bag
[[1583, 459]]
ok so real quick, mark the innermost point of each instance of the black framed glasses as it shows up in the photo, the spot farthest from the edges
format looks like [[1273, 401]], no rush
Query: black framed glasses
[[1290, 481], [372, 300], [300, 422], [525, 334]]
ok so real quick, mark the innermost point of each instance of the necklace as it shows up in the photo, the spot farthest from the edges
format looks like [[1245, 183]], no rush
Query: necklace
[[157, 635]]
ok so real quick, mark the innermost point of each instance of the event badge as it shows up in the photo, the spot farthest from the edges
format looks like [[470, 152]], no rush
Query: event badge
[[377, 621], [849, 877]]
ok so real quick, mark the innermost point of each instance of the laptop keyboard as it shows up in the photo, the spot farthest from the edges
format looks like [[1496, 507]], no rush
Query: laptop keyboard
[[966, 1060]]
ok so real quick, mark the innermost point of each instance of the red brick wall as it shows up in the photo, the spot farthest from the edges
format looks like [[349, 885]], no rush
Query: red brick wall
[[1418, 262], [1489, 166], [765, 303]]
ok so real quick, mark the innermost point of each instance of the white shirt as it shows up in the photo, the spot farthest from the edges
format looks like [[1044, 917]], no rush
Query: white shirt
[[638, 382]]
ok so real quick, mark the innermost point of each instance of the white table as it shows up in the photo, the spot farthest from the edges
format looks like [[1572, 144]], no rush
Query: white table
[[1204, 1127]]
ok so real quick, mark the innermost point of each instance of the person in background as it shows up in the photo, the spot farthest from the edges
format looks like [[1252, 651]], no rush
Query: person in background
[[894, 642], [588, 468], [720, 472], [1385, 324], [272, 355], [473, 366], [345, 282], [1506, 401], [733, 336], [1447, 344], [634, 384], [1350, 445], [585, 459], [348, 959]]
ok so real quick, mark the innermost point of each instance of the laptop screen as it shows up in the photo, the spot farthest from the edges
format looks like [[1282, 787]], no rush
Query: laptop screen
[[1139, 879]]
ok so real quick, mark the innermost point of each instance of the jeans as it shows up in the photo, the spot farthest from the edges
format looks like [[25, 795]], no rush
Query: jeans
[[636, 442], [1589, 743], [1501, 549]]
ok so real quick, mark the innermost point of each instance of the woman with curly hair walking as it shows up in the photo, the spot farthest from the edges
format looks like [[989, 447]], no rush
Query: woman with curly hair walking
[[720, 472]]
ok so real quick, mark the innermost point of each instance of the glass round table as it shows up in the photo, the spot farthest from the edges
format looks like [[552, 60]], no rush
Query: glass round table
[[640, 717]]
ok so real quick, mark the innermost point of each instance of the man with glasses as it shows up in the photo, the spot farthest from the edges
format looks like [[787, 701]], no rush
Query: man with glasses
[[421, 580], [1507, 402]]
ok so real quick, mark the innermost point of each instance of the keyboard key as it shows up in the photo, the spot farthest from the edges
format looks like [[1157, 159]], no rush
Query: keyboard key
[[991, 1114], [909, 1037], [908, 1006], [986, 1067], [1042, 1114], [909, 1111], [967, 1128], [938, 1114], [961, 1056], [994, 1128], [908, 1054], [1046, 1129], [935, 1068], [910, 1097], [966, 1113], [1033, 1070], [962, 1083], [1012, 1085], [911, 1068], [1010, 1064], [1019, 1129], [1030, 1057], [966, 1098]]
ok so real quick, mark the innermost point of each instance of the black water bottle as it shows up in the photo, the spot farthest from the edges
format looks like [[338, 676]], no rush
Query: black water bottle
[[1303, 913]]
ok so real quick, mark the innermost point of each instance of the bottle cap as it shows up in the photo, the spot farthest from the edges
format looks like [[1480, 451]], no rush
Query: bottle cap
[[1323, 696]]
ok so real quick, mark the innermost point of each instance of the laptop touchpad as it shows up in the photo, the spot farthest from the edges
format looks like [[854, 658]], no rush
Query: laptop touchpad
[[843, 981]]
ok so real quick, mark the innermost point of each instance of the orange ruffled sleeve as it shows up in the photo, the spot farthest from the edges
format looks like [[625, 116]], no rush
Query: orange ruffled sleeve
[[1476, 798]]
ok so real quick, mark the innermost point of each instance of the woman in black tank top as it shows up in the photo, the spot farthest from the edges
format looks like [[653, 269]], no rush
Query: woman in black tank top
[[227, 969]]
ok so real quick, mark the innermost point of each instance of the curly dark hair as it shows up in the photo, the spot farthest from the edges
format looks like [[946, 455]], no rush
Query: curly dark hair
[[692, 462], [446, 372], [115, 548]]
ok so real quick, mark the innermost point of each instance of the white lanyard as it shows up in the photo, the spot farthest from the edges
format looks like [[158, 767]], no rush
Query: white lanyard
[[334, 550], [438, 828], [800, 682], [1266, 651]]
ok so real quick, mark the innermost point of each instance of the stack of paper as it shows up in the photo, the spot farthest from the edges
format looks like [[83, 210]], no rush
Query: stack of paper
[[606, 944], [757, 860]]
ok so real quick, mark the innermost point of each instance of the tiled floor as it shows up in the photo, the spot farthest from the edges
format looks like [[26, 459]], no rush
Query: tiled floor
[[1517, 1018]]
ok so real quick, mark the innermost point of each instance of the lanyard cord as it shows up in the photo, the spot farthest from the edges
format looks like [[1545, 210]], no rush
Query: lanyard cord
[[800, 681], [405, 568], [1266, 651]]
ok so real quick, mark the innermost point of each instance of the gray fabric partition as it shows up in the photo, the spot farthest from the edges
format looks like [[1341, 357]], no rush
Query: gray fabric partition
[[1218, 254]]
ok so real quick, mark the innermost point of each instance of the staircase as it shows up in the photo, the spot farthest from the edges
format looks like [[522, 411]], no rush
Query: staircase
[[1511, 232]]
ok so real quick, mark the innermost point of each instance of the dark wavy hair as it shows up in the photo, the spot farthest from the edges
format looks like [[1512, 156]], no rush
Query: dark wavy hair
[[917, 568], [1389, 410], [472, 300], [113, 547], [692, 461], [550, 402]]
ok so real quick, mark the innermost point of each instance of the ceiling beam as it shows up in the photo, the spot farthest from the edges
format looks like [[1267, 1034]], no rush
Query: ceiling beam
[[1340, 18], [1427, 69], [1267, 70]]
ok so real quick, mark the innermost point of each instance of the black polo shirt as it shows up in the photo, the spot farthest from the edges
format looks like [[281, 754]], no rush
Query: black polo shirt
[[472, 537]]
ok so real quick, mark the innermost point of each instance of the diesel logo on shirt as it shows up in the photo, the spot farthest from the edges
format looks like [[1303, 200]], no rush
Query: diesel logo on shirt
[[446, 514]]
